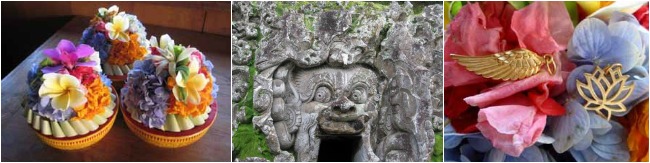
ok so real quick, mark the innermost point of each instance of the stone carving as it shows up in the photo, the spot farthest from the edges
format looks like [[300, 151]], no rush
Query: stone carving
[[327, 71]]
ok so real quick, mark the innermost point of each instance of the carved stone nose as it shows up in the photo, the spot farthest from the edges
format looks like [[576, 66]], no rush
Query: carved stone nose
[[343, 104]]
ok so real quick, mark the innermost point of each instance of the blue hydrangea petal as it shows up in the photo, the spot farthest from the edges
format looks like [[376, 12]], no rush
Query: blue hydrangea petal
[[615, 135], [469, 154], [598, 124], [530, 154], [577, 74], [618, 16], [570, 128], [451, 154], [612, 146], [494, 155], [588, 41], [585, 142], [480, 144]]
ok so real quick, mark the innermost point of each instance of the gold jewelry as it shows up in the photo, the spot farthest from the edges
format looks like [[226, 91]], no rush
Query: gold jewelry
[[610, 82], [509, 65]]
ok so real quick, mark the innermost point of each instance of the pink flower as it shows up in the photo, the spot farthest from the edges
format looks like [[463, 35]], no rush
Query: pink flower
[[513, 126], [513, 114]]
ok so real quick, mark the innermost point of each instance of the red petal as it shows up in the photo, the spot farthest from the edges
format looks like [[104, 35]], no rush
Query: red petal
[[466, 122], [454, 104], [541, 100]]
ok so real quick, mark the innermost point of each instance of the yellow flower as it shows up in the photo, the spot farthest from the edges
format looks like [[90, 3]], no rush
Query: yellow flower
[[118, 27], [65, 90], [187, 88], [604, 9]]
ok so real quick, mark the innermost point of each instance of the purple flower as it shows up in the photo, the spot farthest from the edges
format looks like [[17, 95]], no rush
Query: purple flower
[[148, 93], [45, 109], [66, 55], [34, 81], [215, 87]]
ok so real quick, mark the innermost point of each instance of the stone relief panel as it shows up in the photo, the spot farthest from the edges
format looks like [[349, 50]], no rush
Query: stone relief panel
[[360, 81]]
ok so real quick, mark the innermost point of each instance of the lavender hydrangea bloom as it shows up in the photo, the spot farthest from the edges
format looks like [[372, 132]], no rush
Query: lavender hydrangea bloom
[[97, 40], [215, 87], [148, 93], [107, 82], [34, 83], [45, 109], [43, 106], [596, 43]]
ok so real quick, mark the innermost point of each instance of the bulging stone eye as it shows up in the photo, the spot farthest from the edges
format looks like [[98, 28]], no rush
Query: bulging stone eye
[[323, 94], [358, 96]]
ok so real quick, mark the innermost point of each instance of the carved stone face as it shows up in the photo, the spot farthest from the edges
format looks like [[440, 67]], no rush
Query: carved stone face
[[341, 96]]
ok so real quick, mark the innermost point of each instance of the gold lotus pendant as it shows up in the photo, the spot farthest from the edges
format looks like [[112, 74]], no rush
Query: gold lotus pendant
[[509, 65], [610, 83]]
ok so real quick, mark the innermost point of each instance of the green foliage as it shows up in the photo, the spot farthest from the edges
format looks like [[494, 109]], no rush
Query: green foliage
[[249, 143], [572, 8], [437, 156], [519, 4]]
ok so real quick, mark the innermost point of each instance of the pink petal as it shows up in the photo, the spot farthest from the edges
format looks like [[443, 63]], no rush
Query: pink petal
[[560, 24], [507, 89], [67, 46], [531, 24], [457, 75], [84, 51], [68, 59], [511, 128], [468, 35]]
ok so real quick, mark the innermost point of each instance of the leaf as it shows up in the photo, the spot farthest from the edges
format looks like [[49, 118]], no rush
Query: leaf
[[518, 4]]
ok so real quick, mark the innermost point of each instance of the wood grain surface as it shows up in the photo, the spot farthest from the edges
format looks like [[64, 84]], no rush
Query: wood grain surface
[[20, 143]]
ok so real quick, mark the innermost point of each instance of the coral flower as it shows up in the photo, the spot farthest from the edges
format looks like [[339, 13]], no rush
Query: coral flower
[[187, 87], [117, 28], [65, 90]]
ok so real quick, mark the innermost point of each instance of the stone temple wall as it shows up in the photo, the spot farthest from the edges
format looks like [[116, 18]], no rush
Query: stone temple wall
[[311, 72]]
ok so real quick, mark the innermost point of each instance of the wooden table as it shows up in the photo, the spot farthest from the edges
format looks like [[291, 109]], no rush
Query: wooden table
[[20, 143]]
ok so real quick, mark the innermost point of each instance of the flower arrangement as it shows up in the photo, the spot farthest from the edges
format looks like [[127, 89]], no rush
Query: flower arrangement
[[119, 38], [171, 90], [69, 98], [584, 103]]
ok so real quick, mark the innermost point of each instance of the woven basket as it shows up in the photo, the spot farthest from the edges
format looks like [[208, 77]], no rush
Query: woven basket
[[169, 139], [82, 141]]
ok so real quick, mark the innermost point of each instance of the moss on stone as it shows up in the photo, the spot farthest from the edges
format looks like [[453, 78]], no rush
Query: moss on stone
[[436, 155], [248, 141]]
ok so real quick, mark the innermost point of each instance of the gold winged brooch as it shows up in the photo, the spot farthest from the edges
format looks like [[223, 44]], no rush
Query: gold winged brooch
[[509, 65]]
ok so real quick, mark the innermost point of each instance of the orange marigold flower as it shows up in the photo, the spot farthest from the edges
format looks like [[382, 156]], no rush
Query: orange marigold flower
[[98, 97], [637, 140], [122, 53], [183, 109]]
